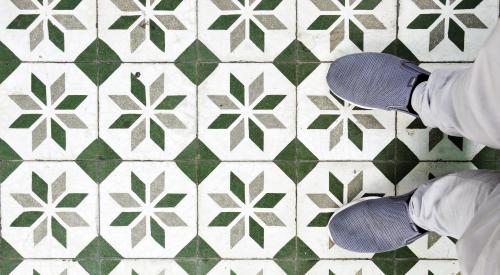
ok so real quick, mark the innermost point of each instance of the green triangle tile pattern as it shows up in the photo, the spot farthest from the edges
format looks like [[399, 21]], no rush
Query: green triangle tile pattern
[[89, 258], [98, 61], [6, 152], [107, 266], [203, 266], [197, 62], [98, 160], [197, 254], [296, 160], [395, 161], [487, 158], [9, 160], [9, 257], [296, 62], [6, 168], [295, 255], [197, 161], [398, 48], [8, 62], [188, 265]]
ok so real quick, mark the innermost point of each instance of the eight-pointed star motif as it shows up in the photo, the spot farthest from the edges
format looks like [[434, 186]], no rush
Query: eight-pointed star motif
[[43, 108], [150, 207], [449, 14], [147, 19], [347, 19], [50, 207], [338, 116], [246, 110], [435, 135], [48, 17], [338, 194], [341, 193], [152, 111], [247, 209], [247, 15]]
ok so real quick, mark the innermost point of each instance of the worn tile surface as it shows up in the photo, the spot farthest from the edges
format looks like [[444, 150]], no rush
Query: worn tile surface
[[200, 137]]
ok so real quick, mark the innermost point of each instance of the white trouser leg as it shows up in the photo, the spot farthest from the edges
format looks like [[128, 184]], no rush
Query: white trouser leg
[[465, 102], [465, 206]]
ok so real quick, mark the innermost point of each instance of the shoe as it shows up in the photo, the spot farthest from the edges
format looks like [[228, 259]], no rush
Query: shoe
[[376, 81], [373, 225]]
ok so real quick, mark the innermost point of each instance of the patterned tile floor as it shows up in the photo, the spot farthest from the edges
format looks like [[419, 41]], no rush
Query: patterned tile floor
[[200, 137]]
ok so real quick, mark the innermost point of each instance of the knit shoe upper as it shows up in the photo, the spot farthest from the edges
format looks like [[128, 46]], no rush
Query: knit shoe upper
[[374, 225], [374, 80]]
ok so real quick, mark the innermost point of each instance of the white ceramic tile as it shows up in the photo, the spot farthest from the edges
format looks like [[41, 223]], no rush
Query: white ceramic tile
[[325, 189], [331, 29], [49, 210], [253, 30], [347, 267], [246, 210], [144, 267], [42, 92], [424, 267], [246, 267], [155, 32], [48, 30], [46, 267], [433, 40], [261, 104], [346, 132], [162, 102], [148, 209]]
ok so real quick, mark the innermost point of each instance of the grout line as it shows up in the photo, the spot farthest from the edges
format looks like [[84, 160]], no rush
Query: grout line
[[244, 259], [220, 62], [245, 161], [296, 84], [196, 163], [98, 222]]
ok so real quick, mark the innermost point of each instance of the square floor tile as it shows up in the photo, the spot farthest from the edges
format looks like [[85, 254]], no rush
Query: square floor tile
[[432, 267], [325, 189], [48, 111], [246, 112], [47, 30], [347, 267], [49, 210], [247, 210], [238, 30], [144, 267], [43, 267], [331, 29], [147, 30], [431, 143], [147, 111], [148, 209], [334, 129], [246, 267], [446, 30]]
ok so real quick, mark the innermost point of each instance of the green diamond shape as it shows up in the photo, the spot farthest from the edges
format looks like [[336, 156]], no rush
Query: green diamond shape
[[98, 61], [98, 160]]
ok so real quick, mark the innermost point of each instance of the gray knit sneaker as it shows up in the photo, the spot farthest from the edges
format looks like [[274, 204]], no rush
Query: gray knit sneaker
[[376, 81], [372, 225]]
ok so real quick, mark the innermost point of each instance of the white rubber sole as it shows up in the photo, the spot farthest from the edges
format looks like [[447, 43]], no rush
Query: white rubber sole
[[364, 107]]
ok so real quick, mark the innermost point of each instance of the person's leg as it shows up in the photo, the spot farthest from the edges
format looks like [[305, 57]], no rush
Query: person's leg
[[465, 102], [465, 206]]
